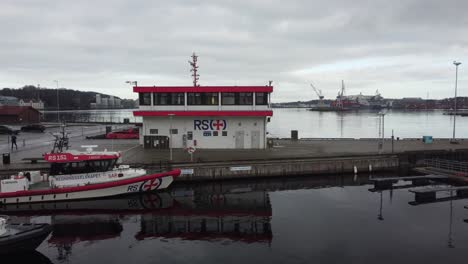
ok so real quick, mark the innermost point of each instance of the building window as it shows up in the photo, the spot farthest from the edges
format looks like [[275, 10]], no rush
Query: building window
[[177, 98], [161, 99], [210, 98], [145, 98], [175, 131], [215, 133], [202, 98], [168, 98], [245, 99], [224, 133], [228, 98], [261, 98], [194, 99], [153, 131]]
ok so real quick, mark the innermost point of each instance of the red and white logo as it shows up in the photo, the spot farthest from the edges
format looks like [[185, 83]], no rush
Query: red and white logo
[[150, 185]]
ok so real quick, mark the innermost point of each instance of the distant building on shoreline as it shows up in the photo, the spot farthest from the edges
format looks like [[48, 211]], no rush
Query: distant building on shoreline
[[36, 104], [110, 102], [8, 100]]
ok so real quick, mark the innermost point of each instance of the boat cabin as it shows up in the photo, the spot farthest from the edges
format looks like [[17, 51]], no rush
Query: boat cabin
[[73, 162]]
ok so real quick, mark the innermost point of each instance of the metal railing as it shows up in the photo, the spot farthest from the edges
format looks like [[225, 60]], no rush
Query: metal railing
[[451, 165]]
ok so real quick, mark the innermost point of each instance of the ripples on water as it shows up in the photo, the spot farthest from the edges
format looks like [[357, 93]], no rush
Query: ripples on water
[[353, 124], [336, 219]]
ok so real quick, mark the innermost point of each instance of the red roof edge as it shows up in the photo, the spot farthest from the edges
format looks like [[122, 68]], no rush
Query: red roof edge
[[203, 113], [206, 89]]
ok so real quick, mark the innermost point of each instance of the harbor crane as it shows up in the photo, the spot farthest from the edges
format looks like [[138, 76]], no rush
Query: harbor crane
[[319, 94]]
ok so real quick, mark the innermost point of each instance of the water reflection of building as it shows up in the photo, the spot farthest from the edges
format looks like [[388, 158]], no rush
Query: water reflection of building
[[241, 217]]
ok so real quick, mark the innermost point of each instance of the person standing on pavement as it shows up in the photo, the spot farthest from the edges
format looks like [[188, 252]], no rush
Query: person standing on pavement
[[13, 142]]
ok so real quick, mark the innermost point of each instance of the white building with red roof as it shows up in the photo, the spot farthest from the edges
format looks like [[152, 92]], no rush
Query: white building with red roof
[[211, 117]]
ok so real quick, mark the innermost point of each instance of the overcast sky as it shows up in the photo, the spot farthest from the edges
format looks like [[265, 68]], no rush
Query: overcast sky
[[402, 48]]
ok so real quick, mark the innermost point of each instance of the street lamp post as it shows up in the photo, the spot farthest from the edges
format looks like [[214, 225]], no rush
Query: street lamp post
[[382, 120], [132, 83], [58, 104], [170, 136], [456, 63]]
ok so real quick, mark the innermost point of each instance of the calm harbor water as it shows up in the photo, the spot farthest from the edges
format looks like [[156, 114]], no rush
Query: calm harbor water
[[337, 219], [361, 124]]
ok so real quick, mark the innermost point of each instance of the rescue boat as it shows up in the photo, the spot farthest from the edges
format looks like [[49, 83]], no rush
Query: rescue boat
[[76, 175]]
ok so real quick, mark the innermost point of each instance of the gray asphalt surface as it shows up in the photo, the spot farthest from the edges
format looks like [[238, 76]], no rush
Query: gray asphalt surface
[[35, 144]]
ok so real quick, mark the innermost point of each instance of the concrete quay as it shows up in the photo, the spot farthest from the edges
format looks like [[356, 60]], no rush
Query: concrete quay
[[286, 158]]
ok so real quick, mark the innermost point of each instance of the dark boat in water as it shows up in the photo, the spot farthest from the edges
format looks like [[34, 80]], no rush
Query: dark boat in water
[[16, 238], [33, 257]]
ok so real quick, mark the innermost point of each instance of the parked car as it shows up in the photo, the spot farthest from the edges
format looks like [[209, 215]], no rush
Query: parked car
[[33, 127], [130, 133], [8, 130]]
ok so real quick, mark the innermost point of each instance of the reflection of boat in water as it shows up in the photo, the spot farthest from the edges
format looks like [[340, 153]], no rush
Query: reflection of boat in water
[[21, 237], [132, 204]]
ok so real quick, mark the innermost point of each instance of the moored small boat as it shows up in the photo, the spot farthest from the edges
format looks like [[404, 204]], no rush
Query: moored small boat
[[78, 175], [16, 238]]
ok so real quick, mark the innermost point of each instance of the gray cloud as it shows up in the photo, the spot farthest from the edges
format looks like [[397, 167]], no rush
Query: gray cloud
[[402, 48]]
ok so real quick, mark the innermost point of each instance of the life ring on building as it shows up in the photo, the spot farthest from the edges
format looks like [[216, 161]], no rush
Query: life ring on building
[[191, 149]]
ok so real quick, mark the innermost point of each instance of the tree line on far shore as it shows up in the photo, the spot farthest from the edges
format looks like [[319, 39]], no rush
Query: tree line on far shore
[[68, 99]]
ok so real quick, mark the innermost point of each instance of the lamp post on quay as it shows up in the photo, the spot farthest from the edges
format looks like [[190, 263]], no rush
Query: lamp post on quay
[[58, 103], [170, 136], [456, 63], [134, 83], [382, 126]]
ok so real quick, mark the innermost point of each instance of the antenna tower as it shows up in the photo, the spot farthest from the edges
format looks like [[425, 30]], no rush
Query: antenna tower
[[194, 69]]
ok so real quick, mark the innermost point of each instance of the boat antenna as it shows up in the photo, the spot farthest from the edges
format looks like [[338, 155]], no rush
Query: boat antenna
[[194, 69]]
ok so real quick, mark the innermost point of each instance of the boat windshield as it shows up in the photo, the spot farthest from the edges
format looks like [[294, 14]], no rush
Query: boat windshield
[[88, 166]]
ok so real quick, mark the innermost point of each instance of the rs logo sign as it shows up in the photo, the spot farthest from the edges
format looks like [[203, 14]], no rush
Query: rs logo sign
[[209, 124]]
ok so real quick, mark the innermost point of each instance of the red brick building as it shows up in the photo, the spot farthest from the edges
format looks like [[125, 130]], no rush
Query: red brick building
[[19, 114]]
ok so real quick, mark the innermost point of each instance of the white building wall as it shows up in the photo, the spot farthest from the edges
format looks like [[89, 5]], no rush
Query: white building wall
[[247, 125]]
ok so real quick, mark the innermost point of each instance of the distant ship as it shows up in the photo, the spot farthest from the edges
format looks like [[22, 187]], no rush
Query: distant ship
[[350, 102]]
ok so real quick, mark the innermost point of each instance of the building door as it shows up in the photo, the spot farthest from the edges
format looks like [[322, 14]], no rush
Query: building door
[[157, 142], [239, 139], [255, 139]]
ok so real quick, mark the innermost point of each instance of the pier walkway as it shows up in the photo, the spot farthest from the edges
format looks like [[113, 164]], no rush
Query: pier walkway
[[385, 183]]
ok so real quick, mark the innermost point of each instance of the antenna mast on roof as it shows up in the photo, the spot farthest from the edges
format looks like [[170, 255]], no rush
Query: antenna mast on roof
[[194, 69]]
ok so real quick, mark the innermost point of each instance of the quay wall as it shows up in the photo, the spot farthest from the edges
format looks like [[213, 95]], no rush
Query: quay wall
[[283, 168]]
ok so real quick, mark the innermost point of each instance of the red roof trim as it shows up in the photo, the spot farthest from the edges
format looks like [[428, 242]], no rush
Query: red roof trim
[[203, 113], [202, 89], [97, 186]]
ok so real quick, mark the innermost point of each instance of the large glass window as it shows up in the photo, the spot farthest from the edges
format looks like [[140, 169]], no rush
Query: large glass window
[[168, 98], [261, 98], [202, 98], [161, 99], [194, 99], [245, 99], [177, 98], [211, 99], [145, 98], [228, 98]]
